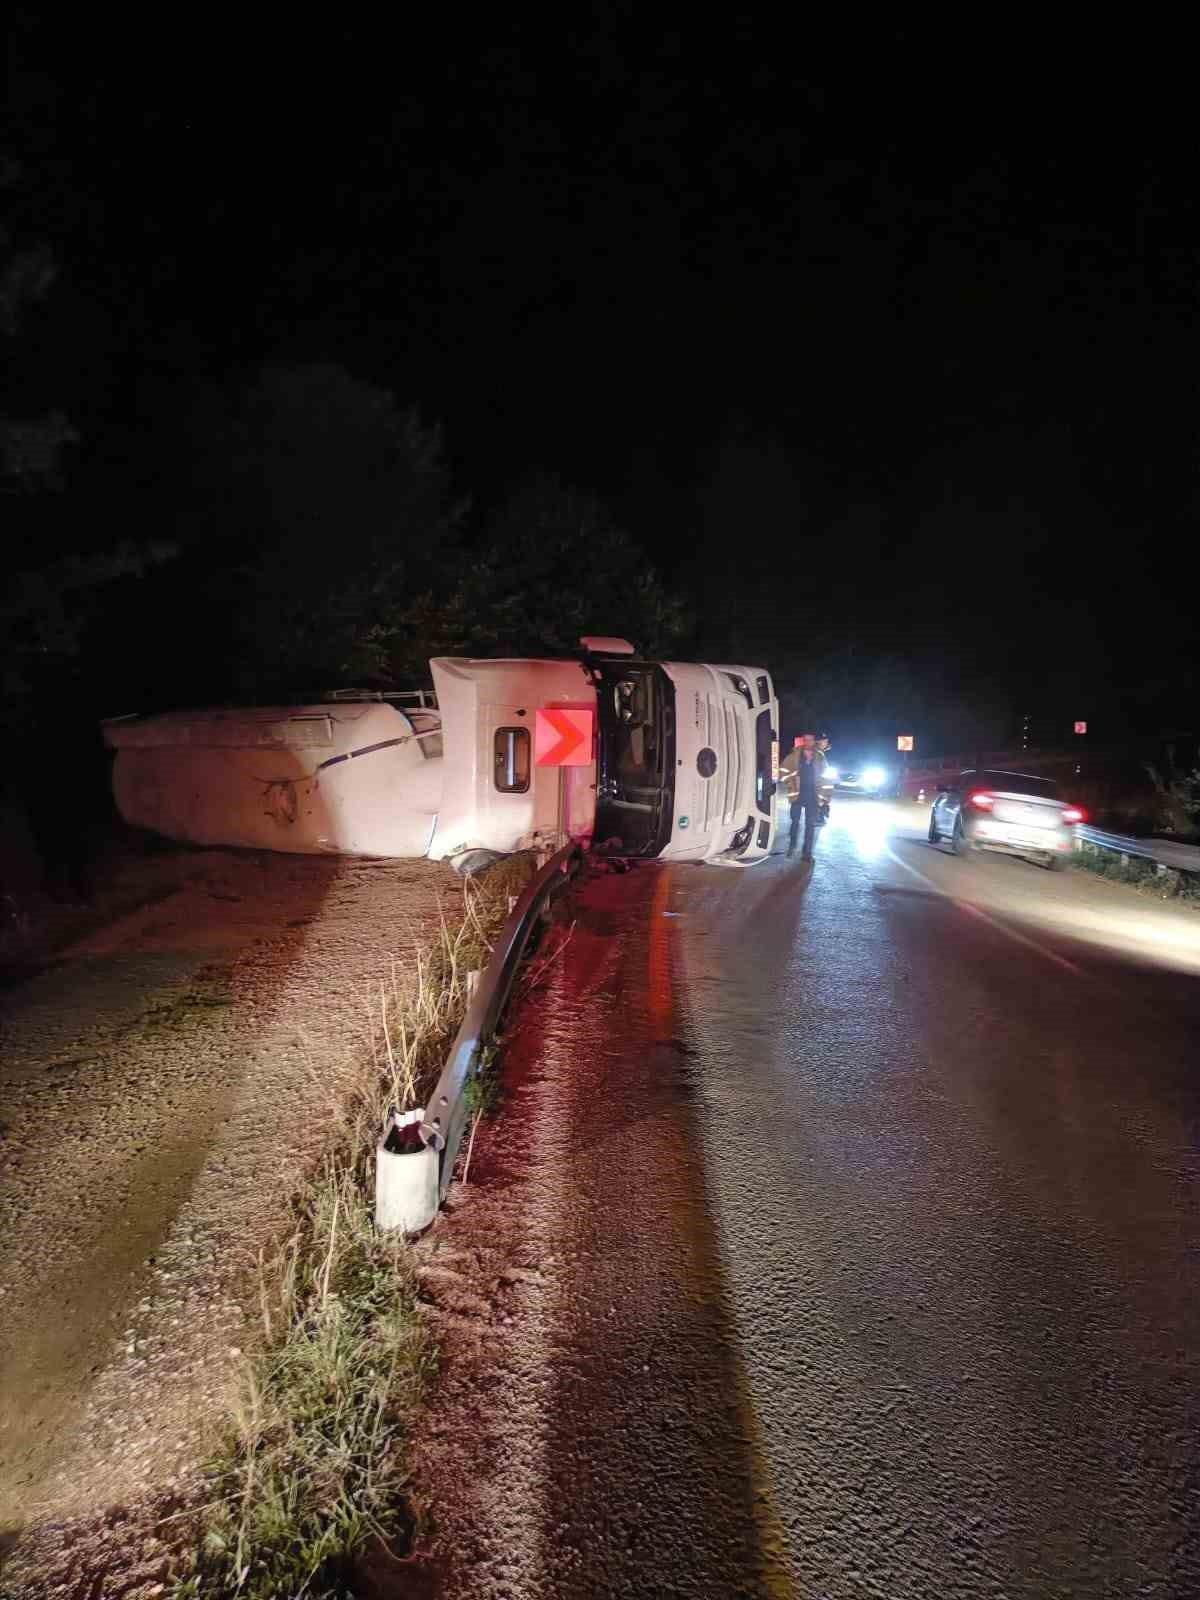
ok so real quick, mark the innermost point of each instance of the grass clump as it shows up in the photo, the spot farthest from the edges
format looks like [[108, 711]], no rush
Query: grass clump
[[1139, 874], [312, 1469]]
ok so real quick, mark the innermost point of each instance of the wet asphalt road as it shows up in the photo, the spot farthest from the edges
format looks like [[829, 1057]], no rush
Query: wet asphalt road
[[859, 1205]]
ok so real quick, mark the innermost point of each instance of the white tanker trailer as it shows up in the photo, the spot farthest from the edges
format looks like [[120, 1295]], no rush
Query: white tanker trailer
[[678, 761]]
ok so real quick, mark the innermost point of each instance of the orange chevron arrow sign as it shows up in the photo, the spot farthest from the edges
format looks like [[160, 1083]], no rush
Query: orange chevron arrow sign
[[562, 738]]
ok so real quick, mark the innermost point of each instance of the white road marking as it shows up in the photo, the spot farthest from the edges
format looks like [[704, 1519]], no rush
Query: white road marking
[[984, 916]]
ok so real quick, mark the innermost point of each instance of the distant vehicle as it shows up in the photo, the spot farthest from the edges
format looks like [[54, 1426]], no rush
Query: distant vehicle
[[681, 766], [861, 778], [1012, 812]]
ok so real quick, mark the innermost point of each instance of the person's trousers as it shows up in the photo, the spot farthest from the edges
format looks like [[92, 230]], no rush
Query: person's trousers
[[808, 810]]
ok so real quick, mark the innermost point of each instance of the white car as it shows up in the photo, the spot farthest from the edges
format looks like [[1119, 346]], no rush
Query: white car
[[1011, 812]]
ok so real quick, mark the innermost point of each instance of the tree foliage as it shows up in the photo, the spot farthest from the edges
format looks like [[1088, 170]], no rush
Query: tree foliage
[[552, 565], [332, 507], [31, 443], [50, 593], [323, 546], [1176, 795]]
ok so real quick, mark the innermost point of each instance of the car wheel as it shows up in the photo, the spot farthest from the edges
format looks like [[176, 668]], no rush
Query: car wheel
[[934, 835], [1056, 863], [962, 845]]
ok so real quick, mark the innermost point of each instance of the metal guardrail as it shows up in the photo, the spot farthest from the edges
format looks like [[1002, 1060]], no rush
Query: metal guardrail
[[446, 1115], [1172, 857], [425, 699]]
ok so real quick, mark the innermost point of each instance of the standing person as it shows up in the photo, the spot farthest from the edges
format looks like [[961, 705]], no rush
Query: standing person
[[803, 788], [787, 767]]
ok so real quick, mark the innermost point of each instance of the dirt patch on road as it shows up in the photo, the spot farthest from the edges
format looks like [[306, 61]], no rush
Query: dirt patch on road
[[165, 1083]]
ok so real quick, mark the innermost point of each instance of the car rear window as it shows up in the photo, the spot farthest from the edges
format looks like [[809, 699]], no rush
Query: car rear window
[[1019, 783]]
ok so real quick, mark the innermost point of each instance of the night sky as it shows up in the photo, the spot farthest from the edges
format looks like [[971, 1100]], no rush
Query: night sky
[[880, 340]]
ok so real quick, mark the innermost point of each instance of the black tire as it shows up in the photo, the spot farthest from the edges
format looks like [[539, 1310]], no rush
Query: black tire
[[1057, 863], [934, 835], [962, 845]]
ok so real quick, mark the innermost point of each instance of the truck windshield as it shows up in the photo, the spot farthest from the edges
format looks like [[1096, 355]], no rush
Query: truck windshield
[[635, 795], [766, 753]]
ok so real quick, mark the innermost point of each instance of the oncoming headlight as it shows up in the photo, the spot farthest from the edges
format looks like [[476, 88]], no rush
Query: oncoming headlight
[[832, 774], [874, 777]]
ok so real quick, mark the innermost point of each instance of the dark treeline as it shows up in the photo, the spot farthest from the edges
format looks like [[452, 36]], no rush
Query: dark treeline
[[294, 528], [319, 360]]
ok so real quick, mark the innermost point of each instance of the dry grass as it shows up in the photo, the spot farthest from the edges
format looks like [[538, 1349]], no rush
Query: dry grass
[[313, 1466], [419, 1009], [314, 1463]]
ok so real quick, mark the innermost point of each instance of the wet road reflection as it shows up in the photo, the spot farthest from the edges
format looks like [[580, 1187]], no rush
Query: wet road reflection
[[858, 1203], [948, 1115], [1081, 911], [867, 824]]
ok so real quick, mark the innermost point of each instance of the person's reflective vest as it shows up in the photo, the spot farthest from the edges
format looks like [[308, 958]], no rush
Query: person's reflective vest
[[790, 766]]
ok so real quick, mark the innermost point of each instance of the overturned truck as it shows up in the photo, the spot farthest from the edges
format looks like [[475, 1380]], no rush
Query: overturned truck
[[664, 759]]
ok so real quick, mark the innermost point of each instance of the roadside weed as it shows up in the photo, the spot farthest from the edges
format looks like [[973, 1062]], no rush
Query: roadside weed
[[312, 1466]]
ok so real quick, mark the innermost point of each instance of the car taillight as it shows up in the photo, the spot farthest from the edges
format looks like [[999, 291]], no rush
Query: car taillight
[[982, 800], [1073, 814]]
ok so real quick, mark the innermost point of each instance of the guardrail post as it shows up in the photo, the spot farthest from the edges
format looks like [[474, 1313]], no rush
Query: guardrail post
[[406, 1176], [443, 1123]]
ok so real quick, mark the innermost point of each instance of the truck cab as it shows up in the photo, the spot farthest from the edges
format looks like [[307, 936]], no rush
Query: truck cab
[[683, 763]]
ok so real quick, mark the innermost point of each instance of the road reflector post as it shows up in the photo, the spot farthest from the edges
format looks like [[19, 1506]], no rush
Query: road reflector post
[[406, 1175]]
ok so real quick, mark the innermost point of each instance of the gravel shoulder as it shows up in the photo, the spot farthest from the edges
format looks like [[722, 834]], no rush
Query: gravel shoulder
[[163, 1086]]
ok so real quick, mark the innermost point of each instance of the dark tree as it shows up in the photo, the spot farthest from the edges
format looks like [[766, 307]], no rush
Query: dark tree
[[553, 565], [315, 508]]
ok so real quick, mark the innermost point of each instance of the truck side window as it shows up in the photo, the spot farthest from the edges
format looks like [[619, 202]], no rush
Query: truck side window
[[511, 764]]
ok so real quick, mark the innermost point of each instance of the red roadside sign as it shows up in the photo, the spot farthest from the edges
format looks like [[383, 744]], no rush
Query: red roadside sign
[[562, 738]]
